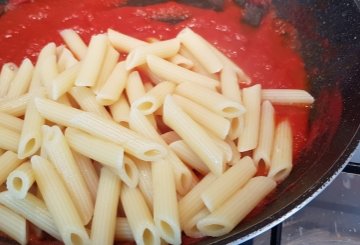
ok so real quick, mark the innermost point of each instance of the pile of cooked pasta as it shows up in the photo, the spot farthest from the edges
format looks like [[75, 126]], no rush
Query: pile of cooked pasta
[[94, 149]]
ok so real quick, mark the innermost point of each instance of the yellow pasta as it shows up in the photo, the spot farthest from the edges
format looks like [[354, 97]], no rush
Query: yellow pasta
[[59, 202], [74, 42], [13, 225], [123, 42], [65, 60], [134, 87], [287, 96], [129, 173], [11, 122], [145, 181], [7, 74], [48, 70], [120, 110], [20, 180], [63, 82], [21, 82], [8, 162], [9, 139], [190, 228]]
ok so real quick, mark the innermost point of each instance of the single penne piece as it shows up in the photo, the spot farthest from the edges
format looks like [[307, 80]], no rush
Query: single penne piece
[[177, 74], [134, 87], [111, 59], [33, 209], [20, 180], [92, 62], [31, 136], [66, 60], [9, 139], [228, 183], [236, 156], [21, 82], [7, 74], [102, 151], [182, 61], [152, 77], [191, 203], [223, 146], [87, 101], [139, 123], [200, 50], [190, 228], [103, 224], [170, 137], [162, 49], [123, 231], [122, 42], [133, 143], [13, 225], [194, 135], [154, 98], [89, 173], [237, 207], [120, 110], [184, 152], [59, 202], [74, 42], [8, 163], [229, 84], [266, 135], [145, 181], [129, 173], [287, 96], [60, 155], [210, 99], [248, 139], [11, 122], [17, 106], [236, 128], [212, 121], [63, 82], [166, 215], [48, 70], [112, 89], [281, 158], [139, 216]]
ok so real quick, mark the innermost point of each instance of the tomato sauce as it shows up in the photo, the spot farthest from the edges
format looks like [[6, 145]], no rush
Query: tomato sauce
[[266, 53]]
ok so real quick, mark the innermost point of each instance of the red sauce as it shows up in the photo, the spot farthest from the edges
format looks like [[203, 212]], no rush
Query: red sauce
[[266, 53]]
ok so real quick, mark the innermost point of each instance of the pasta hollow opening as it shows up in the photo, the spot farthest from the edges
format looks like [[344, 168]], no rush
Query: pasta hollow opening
[[76, 239], [29, 146], [167, 229], [128, 170], [17, 183], [145, 106], [214, 227], [282, 174], [230, 110], [152, 153], [148, 237]]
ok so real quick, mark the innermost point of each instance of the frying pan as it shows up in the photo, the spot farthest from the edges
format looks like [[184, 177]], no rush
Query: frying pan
[[329, 33]]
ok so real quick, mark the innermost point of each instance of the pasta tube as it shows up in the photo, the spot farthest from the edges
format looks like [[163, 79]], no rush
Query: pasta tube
[[20, 180], [13, 225], [21, 82], [9, 139], [11, 122], [123, 42], [74, 42], [7, 74], [287, 96], [8, 162], [63, 82]]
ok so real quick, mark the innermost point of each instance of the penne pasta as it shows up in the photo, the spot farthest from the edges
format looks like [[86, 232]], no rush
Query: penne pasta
[[74, 42], [7, 74], [177, 74], [215, 123], [184, 152], [92, 62], [113, 87], [225, 218], [194, 135], [103, 225], [166, 216], [123, 231], [235, 153], [111, 59], [154, 98], [120, 110], [228, 183], [65, 60], [139, 217], [145, 181], [48, 70], [129, 173], [190, 228], [200, 50], [266, 135], [63, 82], [210, 99], [139, 123], [21, 82], [9, 139], [248, 140], [89, 173], [59, 153], [13, 225], [20, 180], [31, 136], [59, 202], [87, 101], [134, 87], [122, 42], [182, 61], [191, 203], [11, 122], [281, 159], [8, 162], [287, 96], [162, 49], [33, 209], [229, 84]]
